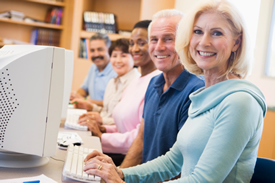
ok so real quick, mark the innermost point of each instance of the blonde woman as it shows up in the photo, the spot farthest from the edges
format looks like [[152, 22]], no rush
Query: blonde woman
[[220, 139]]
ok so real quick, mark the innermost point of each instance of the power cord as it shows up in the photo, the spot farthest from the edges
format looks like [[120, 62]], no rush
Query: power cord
[[57, 159]]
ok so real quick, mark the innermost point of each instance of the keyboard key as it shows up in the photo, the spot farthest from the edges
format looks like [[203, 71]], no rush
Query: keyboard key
[[72, 119], [74, 164]]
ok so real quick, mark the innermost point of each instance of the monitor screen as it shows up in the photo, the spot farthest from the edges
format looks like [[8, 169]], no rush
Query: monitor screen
[[32, 82]]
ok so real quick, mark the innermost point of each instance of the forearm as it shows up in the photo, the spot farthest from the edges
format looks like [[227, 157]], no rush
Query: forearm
[[97, 102], [118, 142], [82, 92], [134, 155], [159, 169]]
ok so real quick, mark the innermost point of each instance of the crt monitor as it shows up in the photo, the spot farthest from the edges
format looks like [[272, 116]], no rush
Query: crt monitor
[[32, 82]]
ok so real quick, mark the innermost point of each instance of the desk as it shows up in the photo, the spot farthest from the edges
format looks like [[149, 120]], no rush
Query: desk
[[54, 168]]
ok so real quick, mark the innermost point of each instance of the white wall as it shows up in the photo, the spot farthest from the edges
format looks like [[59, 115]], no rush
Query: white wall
[[266, 84]]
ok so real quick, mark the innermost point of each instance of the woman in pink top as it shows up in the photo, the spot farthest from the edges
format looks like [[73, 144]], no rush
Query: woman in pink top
[[128, 112]]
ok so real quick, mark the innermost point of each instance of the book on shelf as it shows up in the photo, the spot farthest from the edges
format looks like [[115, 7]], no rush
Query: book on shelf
[[8, 41], [32, 20], [54, 16], [99, 22], [14, 15], [84, 49], [45, 37]]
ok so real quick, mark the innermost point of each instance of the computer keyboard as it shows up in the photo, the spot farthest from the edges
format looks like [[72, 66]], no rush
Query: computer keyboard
[[72, 119], [74, 163]]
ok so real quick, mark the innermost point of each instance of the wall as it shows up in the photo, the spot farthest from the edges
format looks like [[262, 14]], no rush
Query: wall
[[266, 84], [149, 8], [185, 5]]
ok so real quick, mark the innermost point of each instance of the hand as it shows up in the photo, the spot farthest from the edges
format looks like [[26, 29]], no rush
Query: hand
[[93, 116], [92, 125], [94, 128], [82, 104], [75, 95], [108, 171]]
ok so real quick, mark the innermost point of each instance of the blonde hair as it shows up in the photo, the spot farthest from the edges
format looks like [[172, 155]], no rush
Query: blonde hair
[[164, 14], [239, 64]]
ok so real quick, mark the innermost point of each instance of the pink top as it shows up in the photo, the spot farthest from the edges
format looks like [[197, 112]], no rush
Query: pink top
[[127, 116]]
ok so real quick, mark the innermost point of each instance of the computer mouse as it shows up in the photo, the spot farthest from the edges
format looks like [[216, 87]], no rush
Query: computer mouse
[[66, 143]]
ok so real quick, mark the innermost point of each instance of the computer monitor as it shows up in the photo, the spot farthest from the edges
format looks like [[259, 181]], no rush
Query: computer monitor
[[32, 82]]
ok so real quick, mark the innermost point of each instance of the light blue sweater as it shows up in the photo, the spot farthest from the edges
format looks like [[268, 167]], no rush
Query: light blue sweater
[[219, 141]]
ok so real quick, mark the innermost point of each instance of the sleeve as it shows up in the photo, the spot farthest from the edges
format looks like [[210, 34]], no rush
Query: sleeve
[[85, 84], [108, 121], [96, 108], [184, 113], [110, 129], [147, 95], [237, 125], [118, 142], [160, 169]]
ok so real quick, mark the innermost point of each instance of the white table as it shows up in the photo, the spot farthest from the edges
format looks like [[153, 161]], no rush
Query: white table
[[54, 168]]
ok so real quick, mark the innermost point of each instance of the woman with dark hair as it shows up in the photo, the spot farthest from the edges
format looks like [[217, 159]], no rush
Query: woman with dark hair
[[122, 63]]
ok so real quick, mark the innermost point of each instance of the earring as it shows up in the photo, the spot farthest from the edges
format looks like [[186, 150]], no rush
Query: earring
[[234, 55]]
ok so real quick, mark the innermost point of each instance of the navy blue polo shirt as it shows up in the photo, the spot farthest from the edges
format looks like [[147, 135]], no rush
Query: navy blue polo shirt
[[165, 113]]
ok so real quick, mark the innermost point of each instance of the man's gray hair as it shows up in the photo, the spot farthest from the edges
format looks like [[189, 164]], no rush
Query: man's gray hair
[[164, 14], [100, 36]]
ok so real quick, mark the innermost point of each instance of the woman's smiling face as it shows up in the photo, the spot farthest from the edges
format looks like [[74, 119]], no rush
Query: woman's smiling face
[[212, 43]]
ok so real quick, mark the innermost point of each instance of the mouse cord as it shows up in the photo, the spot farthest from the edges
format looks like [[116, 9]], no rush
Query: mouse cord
[[57, 159]]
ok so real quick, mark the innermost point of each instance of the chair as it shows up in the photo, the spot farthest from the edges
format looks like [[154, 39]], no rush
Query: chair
[[264, 171]]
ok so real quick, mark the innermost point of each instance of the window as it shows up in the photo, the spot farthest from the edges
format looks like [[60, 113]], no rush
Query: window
[[270, 56], [250, 16]]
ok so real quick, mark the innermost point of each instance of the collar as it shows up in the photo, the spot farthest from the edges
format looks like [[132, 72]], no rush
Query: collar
[[178, 84], [105, 71], [126, 76]]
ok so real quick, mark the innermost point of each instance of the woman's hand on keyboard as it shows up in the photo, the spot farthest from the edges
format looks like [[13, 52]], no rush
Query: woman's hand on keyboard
[[92, 116], [95, 128], [92, 125], [102, 165]]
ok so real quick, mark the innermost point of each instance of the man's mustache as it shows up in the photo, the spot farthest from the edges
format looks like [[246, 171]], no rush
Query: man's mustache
[[99, 57]]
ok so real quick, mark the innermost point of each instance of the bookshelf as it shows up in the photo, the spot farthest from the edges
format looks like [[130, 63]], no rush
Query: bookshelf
[[35, 9], [85, 34], [54, 3], [41, 25], [127, 14]]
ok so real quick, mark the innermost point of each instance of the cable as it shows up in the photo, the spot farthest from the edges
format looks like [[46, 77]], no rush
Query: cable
[[57, 159]]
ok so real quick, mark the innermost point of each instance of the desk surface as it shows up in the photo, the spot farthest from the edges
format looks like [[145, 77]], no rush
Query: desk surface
[[54, 168]]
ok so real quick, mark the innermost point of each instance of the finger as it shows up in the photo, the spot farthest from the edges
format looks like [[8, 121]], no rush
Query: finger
[[83, 120], [83, 115], [92, 155], [92, 165], [95, 163]]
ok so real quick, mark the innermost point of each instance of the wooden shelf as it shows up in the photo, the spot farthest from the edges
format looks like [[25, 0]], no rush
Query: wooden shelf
[[61, 4], [85, 34], [34, 24]]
